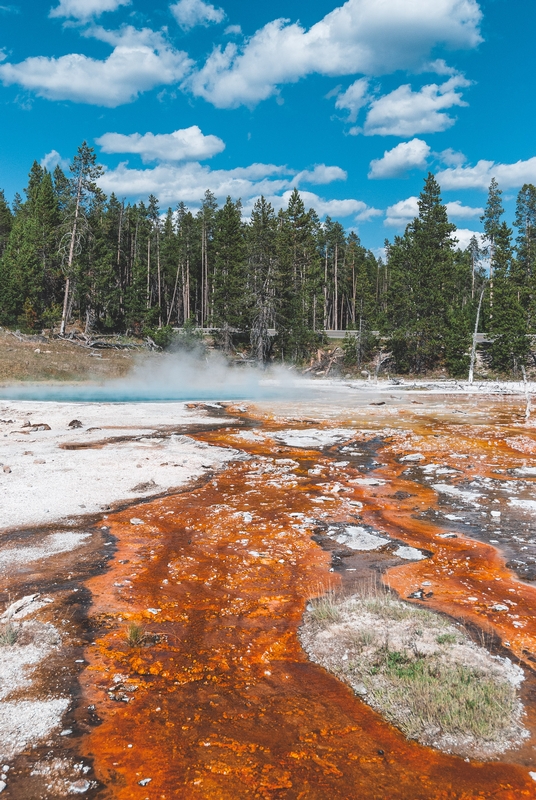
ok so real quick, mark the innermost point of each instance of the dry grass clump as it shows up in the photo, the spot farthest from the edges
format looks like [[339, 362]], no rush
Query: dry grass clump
[[8, 635], [422, 672], [135, 635]]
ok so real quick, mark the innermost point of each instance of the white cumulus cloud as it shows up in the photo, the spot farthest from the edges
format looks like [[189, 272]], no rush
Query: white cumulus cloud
[[85, 9], [190, 13], [357, 209], [404, 112], [320, 174], [452, 158], [399, 214], [464, 236], [51, 160], [403, 157], [189, 181], [140, 60], [509, 176], [354, 98], [371, 37], [457, 210], [188, 144]]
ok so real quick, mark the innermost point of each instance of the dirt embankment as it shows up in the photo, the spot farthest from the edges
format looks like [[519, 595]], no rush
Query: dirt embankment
[[46, 359]]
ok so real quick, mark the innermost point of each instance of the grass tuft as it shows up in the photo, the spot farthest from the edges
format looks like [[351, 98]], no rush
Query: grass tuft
[[135, 634], [422, 672], [9, 635], [325, 609]]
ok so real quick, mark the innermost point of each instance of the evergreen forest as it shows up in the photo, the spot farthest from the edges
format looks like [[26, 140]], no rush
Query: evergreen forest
[[271, 284]]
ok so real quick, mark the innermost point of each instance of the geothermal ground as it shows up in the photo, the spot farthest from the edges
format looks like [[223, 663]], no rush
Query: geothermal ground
[[157, 559]]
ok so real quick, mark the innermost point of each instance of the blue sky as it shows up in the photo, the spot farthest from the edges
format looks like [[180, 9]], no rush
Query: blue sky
[[353, 103]]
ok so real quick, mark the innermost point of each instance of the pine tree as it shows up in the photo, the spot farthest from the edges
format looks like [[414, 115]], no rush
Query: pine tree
[[524, 266], [6, 222], [84, 172], [188, 247], [230, 302], [206, 218], [262, 266], [421, 284], [492, 223], [510, 345], [29, 267], [299, 284]]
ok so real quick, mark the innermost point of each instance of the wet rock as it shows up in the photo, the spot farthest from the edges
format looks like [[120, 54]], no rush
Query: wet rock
[[136, 521], [79, 787], [18, 605], [413, 457], [499, 607], [409, 553], [144, 487], [417, 595], [402, 495], [75, 423]]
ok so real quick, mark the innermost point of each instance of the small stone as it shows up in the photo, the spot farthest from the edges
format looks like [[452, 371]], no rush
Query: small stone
[[144, 781], [37, 350], [499, 607], [6, 469], [66, 732], [533, 775], [79, 787], [3, 785], [136, 521], [413, 457], [75, 423], [417, 595], [154, 610]]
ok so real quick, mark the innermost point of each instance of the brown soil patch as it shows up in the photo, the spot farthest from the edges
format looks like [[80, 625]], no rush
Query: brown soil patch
[[59, 360]]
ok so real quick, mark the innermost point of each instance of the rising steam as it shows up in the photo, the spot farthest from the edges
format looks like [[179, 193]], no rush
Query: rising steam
[[175, 376]]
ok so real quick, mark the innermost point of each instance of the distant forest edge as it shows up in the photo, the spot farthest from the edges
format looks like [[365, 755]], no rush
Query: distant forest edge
[[69, 252]]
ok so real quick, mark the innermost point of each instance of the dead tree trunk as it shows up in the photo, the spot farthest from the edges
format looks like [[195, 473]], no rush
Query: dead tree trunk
[[70, 259], [473, 348]]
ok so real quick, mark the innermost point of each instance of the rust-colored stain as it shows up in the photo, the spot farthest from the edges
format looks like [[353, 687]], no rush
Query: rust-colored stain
[[221, 703]]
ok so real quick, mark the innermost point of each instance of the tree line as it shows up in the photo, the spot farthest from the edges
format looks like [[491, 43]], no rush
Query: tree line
[[69, 252]]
